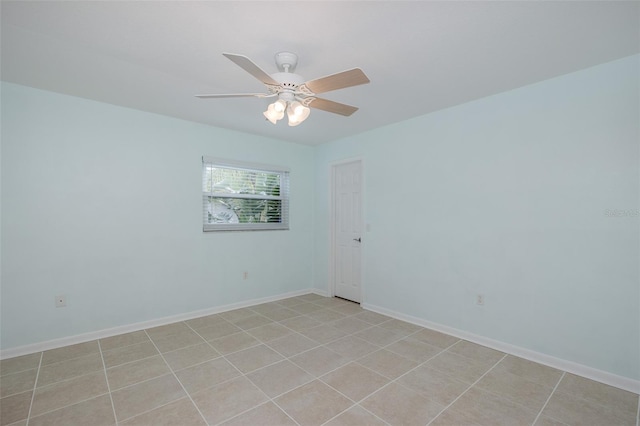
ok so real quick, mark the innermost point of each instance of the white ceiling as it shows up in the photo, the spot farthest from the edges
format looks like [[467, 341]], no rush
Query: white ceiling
[[421, 56]]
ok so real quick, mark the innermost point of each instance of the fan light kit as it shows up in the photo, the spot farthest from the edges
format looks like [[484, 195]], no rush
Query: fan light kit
[[295, 96]]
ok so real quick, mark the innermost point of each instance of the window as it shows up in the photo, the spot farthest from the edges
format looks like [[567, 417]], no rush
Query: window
[[240, 196]]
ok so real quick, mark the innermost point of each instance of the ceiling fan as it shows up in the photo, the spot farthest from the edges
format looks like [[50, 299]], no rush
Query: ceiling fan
[[294, 94]]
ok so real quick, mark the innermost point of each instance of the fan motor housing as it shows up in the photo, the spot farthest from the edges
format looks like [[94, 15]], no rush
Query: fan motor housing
[[288, 80]]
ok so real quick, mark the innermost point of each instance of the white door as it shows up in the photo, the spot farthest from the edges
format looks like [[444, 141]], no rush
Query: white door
[[347, 229]]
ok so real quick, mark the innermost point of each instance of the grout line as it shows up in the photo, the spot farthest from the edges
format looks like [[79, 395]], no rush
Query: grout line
[[106, 379], [442, 350], [126, 363], [313, 377], [285, 412], [70, 405], [245, 377], [549, 398], [56, 383], [259, 342], [256, 406], [35, 386], [397, 378], [272, 400], [123, 346], [374, 415], [253, 345], [68, 359], [401, 337], [357, 403], [176, 377], [467, 390], [285, 358], [155, 408], [598, 404], [141, 381], [223, 356], [353, 406]]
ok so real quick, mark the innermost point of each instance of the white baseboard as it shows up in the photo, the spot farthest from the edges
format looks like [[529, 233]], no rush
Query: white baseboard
[[319, 292], [611, 379], [109, 332]]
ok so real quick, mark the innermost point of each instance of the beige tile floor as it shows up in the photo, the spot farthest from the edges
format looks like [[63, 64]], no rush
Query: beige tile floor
[[306, 360]]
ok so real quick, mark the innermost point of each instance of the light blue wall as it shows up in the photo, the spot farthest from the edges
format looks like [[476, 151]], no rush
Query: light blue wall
[[507, 196], [103, 204]]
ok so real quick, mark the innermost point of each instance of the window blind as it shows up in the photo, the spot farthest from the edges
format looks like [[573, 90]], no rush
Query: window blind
[[241, 196]]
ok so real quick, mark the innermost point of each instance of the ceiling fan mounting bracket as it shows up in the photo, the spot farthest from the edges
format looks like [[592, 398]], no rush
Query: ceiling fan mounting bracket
[[286, 61]]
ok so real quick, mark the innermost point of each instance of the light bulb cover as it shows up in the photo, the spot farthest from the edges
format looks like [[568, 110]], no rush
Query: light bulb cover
[[272, 114], [297, 113], [279, 105]]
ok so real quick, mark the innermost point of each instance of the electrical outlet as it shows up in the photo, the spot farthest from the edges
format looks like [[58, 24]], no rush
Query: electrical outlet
[[245, 275], [480, 299], [61, 301]]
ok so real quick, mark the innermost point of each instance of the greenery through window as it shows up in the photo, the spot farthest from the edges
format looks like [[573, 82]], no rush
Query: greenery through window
[[244, 196]]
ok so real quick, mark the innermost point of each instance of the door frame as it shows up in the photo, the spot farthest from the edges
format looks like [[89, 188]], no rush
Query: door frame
[[332, 205]]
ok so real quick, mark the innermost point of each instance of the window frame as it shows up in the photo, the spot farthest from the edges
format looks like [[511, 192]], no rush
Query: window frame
[[284, 196]]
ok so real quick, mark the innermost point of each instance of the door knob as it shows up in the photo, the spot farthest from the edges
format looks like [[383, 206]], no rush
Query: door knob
[[358, 239]]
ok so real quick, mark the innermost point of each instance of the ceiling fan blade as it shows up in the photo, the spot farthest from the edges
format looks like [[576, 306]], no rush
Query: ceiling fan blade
[[353, 77], [236, 95], [331, 106], [248, 65]]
